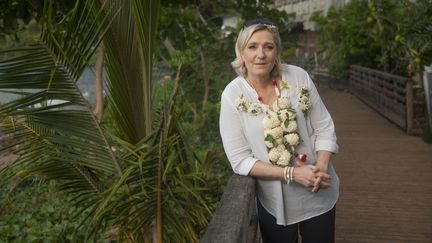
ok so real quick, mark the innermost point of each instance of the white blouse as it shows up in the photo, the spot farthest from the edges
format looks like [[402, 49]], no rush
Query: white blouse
[[243, 140]]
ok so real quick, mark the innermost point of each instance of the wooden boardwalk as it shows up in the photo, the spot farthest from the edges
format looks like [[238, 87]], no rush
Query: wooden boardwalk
[[386, 176]]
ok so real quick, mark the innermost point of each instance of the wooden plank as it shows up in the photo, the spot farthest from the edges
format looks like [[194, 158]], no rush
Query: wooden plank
[[385, 93], [409, 108], [235, 219], [396, 78], [382, 199]]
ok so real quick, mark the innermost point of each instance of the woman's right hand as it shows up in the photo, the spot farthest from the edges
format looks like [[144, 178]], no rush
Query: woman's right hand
[[307, 175]]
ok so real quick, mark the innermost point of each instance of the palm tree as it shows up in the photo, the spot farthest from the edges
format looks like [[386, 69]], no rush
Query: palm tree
[[140, 181]]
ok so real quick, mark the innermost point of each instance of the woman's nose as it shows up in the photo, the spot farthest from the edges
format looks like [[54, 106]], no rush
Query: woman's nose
[[261, 53]]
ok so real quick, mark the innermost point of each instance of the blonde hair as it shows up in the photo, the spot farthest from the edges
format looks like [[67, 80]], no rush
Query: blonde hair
[[242, 39]]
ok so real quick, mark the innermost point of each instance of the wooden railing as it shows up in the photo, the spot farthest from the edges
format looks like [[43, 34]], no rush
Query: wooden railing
[[321, 77], [235, 219], [389, 94]]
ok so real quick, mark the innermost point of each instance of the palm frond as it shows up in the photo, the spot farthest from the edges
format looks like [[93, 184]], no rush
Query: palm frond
[[55, 133], [172, 179], [150, 174], [129, 71], [147, 19]]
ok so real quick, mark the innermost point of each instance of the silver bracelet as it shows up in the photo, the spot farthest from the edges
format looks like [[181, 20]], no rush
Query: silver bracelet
[[288, 178], [291, 172], [286, 174]]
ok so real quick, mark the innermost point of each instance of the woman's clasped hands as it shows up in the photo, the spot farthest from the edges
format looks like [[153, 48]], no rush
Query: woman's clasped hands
[[314, 176]]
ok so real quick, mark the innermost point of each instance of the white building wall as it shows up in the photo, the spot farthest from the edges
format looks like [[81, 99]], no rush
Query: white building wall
[[229, 21], [305, 8]]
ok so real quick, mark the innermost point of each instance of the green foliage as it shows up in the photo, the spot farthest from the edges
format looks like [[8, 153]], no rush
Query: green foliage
[[381, 34], [38, 213], [155, 165], [199, 58], [194, 31], [16, 15], [137, 178]]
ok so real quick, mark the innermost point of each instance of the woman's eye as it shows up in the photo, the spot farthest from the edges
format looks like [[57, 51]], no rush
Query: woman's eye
[[269, 47], [252, 47]]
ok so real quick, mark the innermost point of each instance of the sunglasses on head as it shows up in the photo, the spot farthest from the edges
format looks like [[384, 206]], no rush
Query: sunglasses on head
[[265, 22]]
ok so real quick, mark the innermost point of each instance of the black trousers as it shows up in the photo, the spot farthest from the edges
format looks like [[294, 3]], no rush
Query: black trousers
[[319, 229]]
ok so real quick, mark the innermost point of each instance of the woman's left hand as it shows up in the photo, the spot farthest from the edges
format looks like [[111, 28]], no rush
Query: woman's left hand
[[322, 165], [321, 181]]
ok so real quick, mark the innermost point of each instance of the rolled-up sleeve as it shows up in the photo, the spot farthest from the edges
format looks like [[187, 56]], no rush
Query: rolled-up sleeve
[[234, 141], [322, 123]]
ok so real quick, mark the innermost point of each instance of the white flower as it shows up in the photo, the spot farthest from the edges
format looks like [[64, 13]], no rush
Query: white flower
[[279, 141], [291, 115], [281, 148], [289, 126], [270, 121], [280, 126], [285, 85], [303, 106], [269, 139], [283, 103], [304, 103], [284, 158], [304, 99], [283, 115], [254, 109], [268, 144], [285, 124], [241, 103], [302, 91], [275, 120], [274, 154], [267, 123], [292, 139], [276, 132]]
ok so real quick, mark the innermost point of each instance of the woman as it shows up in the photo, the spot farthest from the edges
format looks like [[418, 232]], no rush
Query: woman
[[275, 128]]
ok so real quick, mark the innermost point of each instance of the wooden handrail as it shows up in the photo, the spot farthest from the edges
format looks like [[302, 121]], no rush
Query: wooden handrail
[[235, 219], [390, 95]]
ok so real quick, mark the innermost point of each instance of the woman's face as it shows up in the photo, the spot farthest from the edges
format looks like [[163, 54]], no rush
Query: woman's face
[[259, 55]]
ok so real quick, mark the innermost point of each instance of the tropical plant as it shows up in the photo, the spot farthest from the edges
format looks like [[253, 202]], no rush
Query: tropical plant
[[196, 48], [388, 35], [16, 15], [141, 181], [37, 213]]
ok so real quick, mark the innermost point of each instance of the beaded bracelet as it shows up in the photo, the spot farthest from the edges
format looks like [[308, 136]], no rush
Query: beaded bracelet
[[286, 174], [289, 174]]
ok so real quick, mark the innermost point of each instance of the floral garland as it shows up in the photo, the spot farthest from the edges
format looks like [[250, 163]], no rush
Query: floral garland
[[280, 126], [304, 100]]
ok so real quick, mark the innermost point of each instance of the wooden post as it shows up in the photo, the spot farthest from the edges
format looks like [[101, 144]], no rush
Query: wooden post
[[99, 107], [409, 106], [235, 219]]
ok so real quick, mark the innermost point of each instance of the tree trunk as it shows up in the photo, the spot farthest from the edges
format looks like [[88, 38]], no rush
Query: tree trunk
[[177, 78], [168, 45], [98, 109], [205, 77], [158, 224]]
